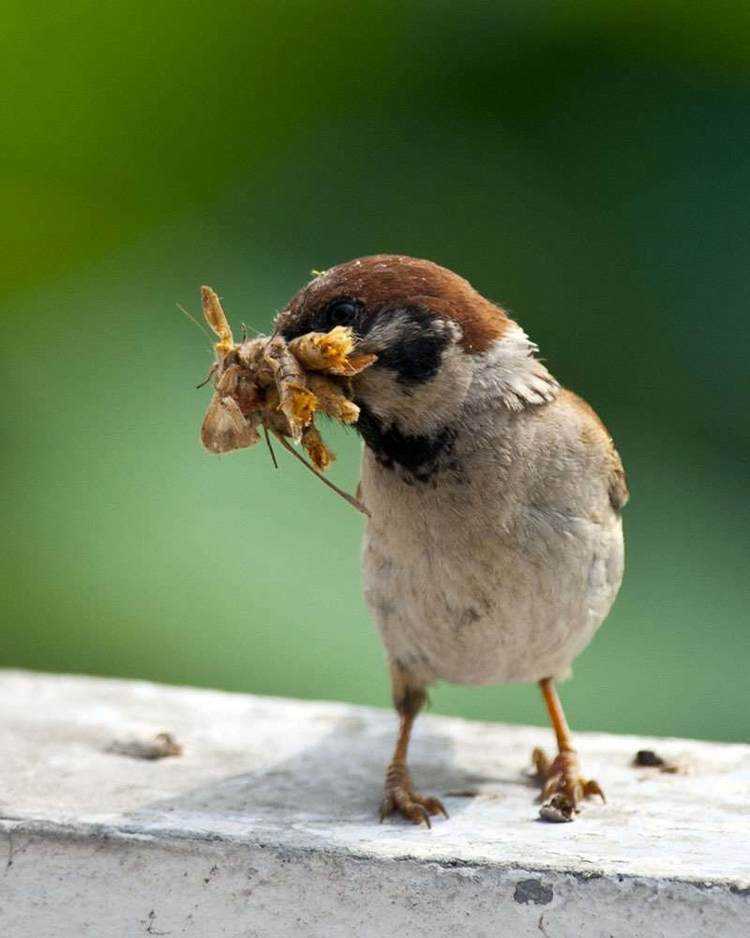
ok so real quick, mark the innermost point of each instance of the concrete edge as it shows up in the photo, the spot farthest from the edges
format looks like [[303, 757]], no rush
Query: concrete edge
[[165, 837]]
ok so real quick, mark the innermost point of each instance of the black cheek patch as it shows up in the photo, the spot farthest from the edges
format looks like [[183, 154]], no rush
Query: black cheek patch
[[418, 352]]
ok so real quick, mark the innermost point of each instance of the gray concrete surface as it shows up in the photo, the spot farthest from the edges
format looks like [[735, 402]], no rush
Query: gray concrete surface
[[265, 825]]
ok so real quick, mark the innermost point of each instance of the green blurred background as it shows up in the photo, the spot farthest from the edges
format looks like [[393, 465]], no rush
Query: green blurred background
[[585, 164]]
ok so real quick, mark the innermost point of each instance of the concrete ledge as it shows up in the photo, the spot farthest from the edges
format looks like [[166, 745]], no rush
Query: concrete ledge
[[265, 825]]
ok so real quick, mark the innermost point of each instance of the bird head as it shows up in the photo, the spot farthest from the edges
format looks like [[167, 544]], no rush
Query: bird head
[[434, 336]]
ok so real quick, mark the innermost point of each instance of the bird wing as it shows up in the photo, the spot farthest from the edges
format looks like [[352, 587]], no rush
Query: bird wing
[[595, 434]]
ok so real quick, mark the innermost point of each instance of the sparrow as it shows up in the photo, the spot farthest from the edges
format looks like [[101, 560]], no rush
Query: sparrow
[[493, 549]]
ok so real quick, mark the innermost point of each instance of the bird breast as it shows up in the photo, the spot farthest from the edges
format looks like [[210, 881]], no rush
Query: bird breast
[[501, 564]]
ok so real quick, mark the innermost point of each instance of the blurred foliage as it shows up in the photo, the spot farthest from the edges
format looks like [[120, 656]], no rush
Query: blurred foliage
[[585, 164]]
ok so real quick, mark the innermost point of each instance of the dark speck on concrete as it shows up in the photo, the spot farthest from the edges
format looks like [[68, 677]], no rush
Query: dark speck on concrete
[[743, 891], [533, 890]]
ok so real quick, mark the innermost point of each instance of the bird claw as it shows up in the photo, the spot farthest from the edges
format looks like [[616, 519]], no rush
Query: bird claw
[[557, 810], [563, 786], [402, 799]]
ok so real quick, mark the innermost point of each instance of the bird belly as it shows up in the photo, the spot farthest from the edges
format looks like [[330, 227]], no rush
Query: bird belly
[[475, 607]]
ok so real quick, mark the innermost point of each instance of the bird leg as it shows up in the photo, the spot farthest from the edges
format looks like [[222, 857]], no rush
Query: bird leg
[[399, 796], [563, 786]]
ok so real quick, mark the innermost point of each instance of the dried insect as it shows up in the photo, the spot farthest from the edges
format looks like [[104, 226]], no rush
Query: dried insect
[[279, 386], [332, 400], [330, 352], [295, 401], [318, 452], [225, 428], [217, 320]]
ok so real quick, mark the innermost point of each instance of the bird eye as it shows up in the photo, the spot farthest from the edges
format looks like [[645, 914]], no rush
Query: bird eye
[[341, 312]]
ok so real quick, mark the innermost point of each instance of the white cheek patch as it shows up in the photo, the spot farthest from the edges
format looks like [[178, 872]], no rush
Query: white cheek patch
[[386, 332], [423, 408], [390, 331], [507, 371]]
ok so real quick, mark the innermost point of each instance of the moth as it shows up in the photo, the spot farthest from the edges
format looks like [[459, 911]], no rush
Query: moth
[[266, 384]]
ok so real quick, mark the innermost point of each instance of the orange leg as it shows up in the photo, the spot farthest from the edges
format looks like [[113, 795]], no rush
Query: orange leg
[[563, 785], [399, 795]]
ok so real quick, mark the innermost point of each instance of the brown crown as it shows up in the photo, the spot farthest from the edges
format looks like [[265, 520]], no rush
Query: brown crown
[[390, 280]]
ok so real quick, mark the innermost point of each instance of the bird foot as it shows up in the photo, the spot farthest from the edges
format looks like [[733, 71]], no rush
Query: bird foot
[[401, 798], [563, 786]]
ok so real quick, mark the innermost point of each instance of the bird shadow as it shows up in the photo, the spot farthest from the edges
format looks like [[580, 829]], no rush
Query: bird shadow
[[338, 778]]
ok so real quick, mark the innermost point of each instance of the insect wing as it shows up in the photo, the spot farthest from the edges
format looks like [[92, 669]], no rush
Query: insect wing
[[224, 429]]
